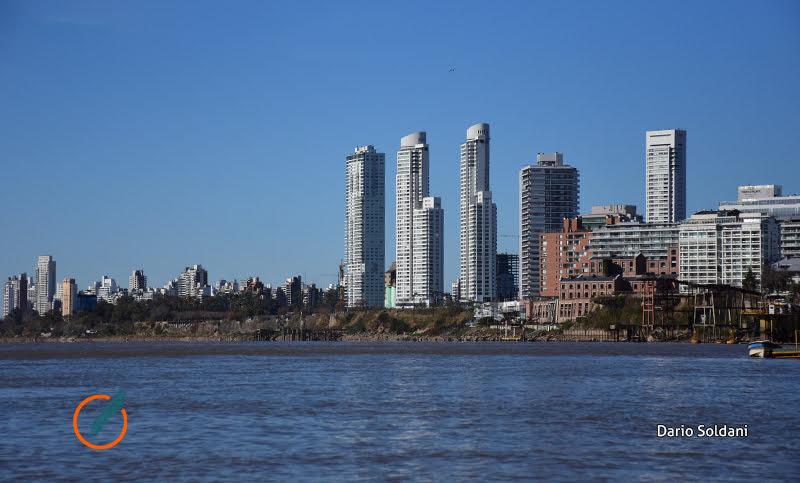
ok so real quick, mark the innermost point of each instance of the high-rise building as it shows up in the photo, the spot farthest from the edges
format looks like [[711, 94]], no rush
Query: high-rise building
[[666, 176], [428, 252], [365, 227], [548, 194], [137, 281], [412, 186], [45, 283], [15, 294], [478, 219], [10, 290], [414, 205], [69, 297]]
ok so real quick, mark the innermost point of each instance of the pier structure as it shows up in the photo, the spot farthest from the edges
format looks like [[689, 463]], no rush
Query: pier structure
[[715, 312]]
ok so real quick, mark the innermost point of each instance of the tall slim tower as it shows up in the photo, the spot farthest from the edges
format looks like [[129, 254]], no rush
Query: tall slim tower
[[69, 297], [478, 219], [414, 206], [10, 290], [45, 283], [666, 176], [548, 193], [365, 227]]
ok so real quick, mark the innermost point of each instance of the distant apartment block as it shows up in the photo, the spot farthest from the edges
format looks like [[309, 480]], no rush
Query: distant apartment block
[[311, 296], [69, 297], [192, 281], [292, 288], [769, 200], [137, 281], [507, 277], [15, 294], [478, 219], [548, 194], [790, 236], [563, 254], [658, 242], [666, 176], [85, 301], [45, 284], [764, 199], [105, 289], [455, 290], [365, 226], [601, 215], [720, 247], [10, 290]]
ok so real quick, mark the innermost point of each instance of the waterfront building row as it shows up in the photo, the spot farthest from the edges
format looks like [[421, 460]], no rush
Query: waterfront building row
[[721, 247]]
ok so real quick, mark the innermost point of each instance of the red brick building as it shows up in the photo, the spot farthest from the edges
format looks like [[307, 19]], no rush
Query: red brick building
[[570, 274]]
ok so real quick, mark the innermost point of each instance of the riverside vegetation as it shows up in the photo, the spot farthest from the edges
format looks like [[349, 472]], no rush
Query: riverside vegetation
[[230, 317], [239, 316]]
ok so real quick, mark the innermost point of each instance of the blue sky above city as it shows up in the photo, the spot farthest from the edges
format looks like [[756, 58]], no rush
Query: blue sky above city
[[158, 135]]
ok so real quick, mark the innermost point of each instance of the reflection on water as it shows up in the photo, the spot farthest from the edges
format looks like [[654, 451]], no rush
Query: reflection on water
[[320, 411]]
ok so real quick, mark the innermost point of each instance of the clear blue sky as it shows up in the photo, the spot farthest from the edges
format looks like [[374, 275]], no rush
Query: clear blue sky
[[158, 135]]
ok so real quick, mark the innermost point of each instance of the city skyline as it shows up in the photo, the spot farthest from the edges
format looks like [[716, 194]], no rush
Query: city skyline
[[165, 161]]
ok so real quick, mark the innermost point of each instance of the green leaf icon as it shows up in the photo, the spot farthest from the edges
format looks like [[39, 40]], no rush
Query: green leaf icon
[[113, 406]]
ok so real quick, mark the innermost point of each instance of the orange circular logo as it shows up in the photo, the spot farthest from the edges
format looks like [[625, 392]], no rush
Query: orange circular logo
[[78, 433]]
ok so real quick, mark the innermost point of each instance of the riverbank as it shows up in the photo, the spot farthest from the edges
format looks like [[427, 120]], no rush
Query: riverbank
[[475, 334]]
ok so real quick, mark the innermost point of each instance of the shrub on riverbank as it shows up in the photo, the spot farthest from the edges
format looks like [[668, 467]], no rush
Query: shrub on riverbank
[[428, 321]]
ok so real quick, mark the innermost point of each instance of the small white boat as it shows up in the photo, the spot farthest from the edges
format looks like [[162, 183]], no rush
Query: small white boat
[[761, 348], [767, 349]]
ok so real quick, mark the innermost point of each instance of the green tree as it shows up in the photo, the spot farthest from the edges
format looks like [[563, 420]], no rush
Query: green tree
[[331, 297], [749, 281], [775, 280]]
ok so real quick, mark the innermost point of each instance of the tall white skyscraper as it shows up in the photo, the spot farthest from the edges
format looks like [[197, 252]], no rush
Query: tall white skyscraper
[[365, 227], [548, 193], [666, 176], [478, 219], [45, 283], [428, 252], [419, 227]]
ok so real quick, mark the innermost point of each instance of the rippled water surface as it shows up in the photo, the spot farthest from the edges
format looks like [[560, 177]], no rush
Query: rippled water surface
[[378, 411]]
